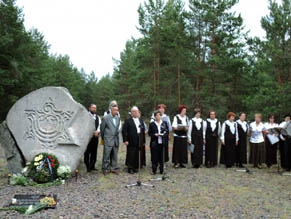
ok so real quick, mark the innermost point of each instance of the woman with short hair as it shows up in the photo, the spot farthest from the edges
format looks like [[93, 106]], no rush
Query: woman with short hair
[[241, 149], [158, 132], [271, 148], [229, 140], [180, 126], [257, 142], [196, 136], [212, 133]]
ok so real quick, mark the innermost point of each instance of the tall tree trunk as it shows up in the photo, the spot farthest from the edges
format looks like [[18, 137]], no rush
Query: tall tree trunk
[[179, 78], [213, 52], [155, 78]]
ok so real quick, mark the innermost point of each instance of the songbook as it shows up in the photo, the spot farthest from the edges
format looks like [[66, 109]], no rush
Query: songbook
[[278, 130], [191, 148], [273, 139]]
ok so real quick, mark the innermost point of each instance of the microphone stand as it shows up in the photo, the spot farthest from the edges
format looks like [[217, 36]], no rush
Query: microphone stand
[[138, 182], [164, 176]]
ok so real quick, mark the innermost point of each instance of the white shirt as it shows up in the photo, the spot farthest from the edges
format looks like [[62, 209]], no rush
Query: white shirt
[[160, 140], [213, 124], [257, 132], [197, 122], [232, 127], [96, 117], [243, 124], [137, 124], [184, 121], [164, 118]]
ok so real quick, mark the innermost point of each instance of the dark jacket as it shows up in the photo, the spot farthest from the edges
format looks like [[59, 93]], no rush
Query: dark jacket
[[129, 133]]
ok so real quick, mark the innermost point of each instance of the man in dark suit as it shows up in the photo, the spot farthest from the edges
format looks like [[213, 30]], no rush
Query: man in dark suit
[[90, 155], [133, 135], [110, 135]]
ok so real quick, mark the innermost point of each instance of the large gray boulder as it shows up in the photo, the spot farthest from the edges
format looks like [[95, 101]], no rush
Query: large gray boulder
[[11, 151], [50, 120]]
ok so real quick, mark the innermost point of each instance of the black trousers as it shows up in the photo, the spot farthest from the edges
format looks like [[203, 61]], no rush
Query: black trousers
[[90, 155], [157, 156], [132, 157]]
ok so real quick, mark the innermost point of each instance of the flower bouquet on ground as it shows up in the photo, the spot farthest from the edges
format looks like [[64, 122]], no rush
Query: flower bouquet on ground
[[64, 172], [43, 168]]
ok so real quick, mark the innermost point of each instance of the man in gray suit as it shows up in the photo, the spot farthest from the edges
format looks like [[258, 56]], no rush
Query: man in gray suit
[[110, 126]]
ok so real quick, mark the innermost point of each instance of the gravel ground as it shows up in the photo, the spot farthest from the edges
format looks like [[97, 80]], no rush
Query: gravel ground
[[202, 193]]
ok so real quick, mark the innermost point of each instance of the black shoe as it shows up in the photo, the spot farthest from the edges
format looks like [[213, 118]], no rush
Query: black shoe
[[130, 171], [88, 170], [135, 170], [182, 166], [94, 169]]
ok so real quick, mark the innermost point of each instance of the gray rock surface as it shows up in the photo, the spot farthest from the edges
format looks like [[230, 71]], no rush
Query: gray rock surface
[[50, 120], [11, 151]]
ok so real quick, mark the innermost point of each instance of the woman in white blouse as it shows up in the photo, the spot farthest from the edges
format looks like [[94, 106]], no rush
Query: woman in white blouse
[[271, 146], [196, 136], [229, 140], [257, 142], [180, 126]]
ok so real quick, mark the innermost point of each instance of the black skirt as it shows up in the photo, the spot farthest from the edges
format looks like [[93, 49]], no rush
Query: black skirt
[[227, 155], [241, 149], [180, 153], [271, 152], [211, 150]]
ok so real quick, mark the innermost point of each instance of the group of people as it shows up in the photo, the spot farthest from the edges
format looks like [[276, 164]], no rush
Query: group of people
[[200, 137]]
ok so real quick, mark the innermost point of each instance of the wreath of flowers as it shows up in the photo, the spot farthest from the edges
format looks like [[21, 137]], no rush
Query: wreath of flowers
[[43, 168]]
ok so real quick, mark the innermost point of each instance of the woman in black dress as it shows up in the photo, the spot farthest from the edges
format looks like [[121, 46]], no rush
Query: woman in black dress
[[211, 147], [241, 149], [158, 132], [180, 126], [196, 136], [229, 140]]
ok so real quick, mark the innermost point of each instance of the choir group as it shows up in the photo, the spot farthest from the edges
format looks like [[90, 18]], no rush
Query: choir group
[[199, 137]]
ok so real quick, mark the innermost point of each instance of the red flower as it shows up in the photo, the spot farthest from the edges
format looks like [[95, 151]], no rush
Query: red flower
[[53, 161], [52, 164], [50, 157]]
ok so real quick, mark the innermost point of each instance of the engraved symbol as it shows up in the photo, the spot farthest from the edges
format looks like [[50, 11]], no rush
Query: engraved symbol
[[49, 125]]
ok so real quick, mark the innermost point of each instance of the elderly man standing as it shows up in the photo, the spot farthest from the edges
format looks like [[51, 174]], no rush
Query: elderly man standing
[[110, 135], [133, 135]]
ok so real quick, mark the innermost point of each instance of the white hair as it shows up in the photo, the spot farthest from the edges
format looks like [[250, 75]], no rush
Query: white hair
[[134, 108]]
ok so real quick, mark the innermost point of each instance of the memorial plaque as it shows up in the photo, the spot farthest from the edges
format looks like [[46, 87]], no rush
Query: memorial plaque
[[26, 200]]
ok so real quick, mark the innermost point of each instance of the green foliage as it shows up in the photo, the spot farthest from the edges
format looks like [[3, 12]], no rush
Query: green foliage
[[19, 179], [197, 55], [20, 209]]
